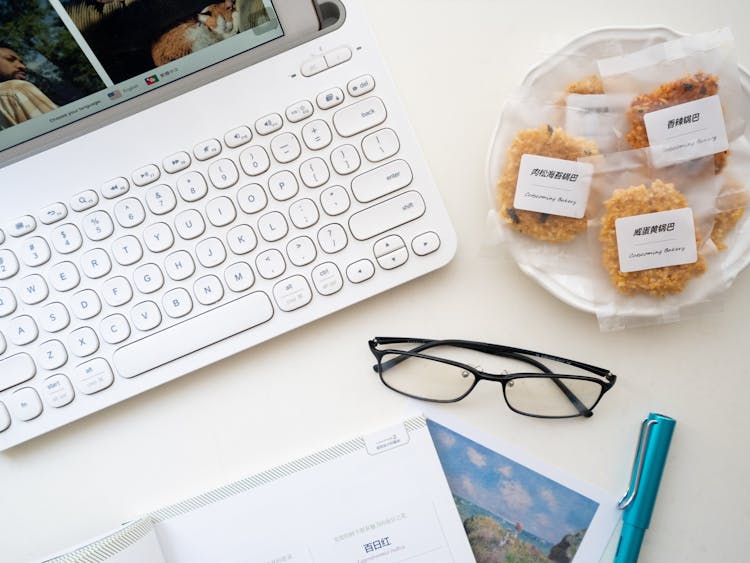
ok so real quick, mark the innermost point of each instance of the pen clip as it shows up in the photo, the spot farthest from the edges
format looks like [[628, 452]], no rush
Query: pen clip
[[638, 461]]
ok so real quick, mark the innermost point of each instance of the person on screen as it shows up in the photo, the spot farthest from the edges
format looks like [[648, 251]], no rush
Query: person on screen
[[20, 100]]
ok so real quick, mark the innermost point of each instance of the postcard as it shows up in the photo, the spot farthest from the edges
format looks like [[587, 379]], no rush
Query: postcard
[[516, 509]]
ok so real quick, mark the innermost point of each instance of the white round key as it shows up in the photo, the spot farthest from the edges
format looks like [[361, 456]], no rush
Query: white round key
[[220, 211], [380, 145], [327, 278], [177, 303], [285, 147], [179, 265], [360, 271], [273, 226], [64, 276], [317, 135], [96, 263], [22, 330], [98, 225], [192, 186], [239, 277], [145, 315], [158, 237], [33, 289], [304, 213], [34, 251], [8, 264], [208, 290], [301, 251], [223, 173], [314, 172], [283, 185], [270, 264], [86, 304], [127, 250], [160, 199], [66, 239], [335, 200], [83, 342], [117, 291], [3, 344], [129, 212], [57, 390], [345, 159], [332, 238], [241, 239], [4, 417], [8, 302], [52, 354], [252, 198], [114, 329], [54, 317], [190, 224], [254, 160], [210, 252], [148, 278], [25, 404]]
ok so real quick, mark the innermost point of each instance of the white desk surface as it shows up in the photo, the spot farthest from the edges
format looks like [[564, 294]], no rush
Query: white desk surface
[[453, 61]]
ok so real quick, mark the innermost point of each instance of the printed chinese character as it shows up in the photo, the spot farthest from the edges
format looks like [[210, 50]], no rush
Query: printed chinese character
[[670, 124], [696, 117], [670, 226], [637, 232]]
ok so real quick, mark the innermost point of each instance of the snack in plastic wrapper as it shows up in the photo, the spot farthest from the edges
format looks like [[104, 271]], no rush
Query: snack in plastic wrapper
[[551, 142], [639, 200], [687, 89]]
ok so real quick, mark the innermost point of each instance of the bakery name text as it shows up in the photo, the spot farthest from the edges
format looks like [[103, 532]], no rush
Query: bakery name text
[[652, 229], [684, 120], [554, 174]]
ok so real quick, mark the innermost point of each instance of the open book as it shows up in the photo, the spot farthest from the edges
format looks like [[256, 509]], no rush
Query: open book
[[380, 498]]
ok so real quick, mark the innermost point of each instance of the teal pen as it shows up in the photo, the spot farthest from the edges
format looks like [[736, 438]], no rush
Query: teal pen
[[638, 502]]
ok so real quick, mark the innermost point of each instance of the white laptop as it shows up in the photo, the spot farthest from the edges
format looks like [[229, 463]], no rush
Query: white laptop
[[207, 179]]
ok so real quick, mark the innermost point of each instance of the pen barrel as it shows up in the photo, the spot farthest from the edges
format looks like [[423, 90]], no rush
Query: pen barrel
[[655, 456], [629, 546]]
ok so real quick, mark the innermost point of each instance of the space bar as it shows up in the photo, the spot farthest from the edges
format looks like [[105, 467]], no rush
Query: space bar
[[193, 334]]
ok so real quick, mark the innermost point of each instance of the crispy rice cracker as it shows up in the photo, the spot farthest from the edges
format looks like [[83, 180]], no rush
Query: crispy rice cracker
[[543, 141], [638, 200], [687, 89]]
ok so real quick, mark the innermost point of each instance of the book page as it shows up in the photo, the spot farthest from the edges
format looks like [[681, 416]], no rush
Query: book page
[[382, 498]]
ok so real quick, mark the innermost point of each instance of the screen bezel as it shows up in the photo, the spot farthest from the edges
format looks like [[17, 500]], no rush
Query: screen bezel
[[300, 21]]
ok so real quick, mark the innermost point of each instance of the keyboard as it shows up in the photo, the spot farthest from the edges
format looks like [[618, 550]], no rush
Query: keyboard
[[194, 244]]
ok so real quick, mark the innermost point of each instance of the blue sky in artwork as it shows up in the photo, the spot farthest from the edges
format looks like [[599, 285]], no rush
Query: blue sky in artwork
[[508, 489]]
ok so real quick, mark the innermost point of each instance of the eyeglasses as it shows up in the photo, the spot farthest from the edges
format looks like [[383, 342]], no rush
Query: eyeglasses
[[446, 371]]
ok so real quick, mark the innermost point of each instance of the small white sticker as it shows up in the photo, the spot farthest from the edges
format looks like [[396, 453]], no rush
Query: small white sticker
[[553, 186], [655, 240], [686, 131], [386, 439]]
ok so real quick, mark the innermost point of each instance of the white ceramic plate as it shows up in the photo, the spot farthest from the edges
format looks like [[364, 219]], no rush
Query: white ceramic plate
[[553, 75]]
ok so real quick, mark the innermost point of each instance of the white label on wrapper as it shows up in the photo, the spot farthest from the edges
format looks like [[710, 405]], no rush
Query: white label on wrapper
[[655, 240], [686, 131], [553, 186]]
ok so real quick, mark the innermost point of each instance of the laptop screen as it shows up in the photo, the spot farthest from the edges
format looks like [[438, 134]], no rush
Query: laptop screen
[[63, 60]]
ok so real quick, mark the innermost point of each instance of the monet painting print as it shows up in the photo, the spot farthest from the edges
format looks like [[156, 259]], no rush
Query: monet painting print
[[511, 513]]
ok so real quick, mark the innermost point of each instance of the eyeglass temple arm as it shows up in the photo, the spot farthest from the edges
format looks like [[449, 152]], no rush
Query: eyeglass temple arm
[[494, 349]]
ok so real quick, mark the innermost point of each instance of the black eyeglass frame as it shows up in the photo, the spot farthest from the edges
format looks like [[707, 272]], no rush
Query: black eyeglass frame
[[519, 354]]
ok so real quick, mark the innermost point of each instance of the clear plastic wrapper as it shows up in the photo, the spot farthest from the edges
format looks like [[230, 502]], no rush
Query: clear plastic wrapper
[[686, 97], [573, 268], [652, 235]]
